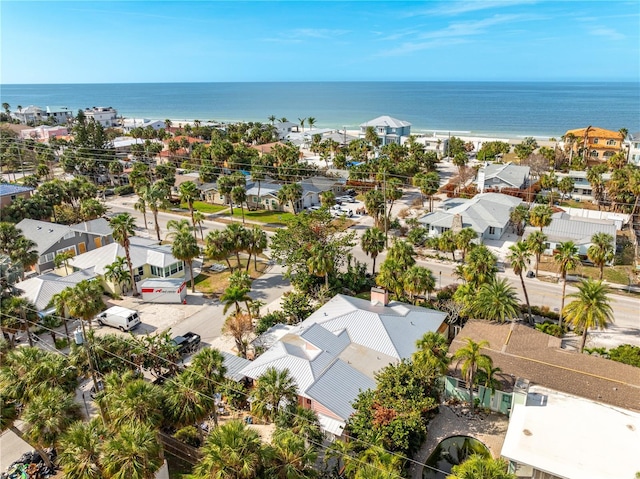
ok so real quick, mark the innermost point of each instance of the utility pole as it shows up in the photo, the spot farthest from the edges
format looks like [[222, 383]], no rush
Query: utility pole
[[384, 196]]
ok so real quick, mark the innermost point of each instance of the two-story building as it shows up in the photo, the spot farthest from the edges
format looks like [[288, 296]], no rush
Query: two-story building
[[33, 115], [600, 144], [388, 129], [44, 133], [633, 145], [105, 116], [52, 239], [496, 177], [582, 188]]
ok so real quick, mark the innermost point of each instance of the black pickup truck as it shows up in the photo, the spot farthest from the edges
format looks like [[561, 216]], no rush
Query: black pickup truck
[[187, 343]]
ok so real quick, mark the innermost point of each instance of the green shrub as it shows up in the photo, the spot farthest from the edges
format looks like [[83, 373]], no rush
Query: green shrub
[[123, 190], [627, 354], [62, 343], [270, 319], [189, 435], [551, 329]]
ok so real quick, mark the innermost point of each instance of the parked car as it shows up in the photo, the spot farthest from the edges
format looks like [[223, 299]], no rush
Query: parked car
[[118, 317], [187, 343], [347, 199]]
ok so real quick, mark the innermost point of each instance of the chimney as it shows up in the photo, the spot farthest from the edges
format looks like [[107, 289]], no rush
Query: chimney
[[456, 223], [379, 296]]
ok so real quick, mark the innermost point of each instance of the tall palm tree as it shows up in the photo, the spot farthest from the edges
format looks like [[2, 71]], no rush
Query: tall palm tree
[[431, 354], [186, 400], [537, 244], [496, 301], [123, 227], [601, 250], [217, 247], [209, 364], [447, 243], [237, 237], [156, 198], [472, 358], [24, 252], [567, 260], [239, 196], [134, 452], [233, 296], [86, 300], [418, 280], [520, 258], [519, 218], [136, 401], [591, 308], [80, 450], [291, 457], [256, 244], [320, 262], [403, 253], [540, 216], [189, 193], [117, 272], [463, 239], [61, 304], [20, 312], [231, 451], [373, 243], [273, 390], [292, 193], [141, 206], [301, 121], [198, 219], [184, 246]]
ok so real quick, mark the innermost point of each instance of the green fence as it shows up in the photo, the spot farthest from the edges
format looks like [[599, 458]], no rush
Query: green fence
[[498, 401]]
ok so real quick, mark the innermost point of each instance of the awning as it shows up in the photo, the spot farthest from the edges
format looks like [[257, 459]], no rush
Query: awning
[[331, 425]]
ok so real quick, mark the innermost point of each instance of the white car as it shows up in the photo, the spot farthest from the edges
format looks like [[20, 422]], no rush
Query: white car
[[347, 199]]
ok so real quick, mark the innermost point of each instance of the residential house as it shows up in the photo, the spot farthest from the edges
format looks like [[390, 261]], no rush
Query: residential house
[[105, 116], [600, 144], [44, 132], [52, 238], [32, 115], [552, 386], [496, 177], [582, 189], [633, 145], [10, 192], [488, 214], [285, 128], [389, 130], [565, 227], [148, 260], [40, 290], [334, 354], [129, 124]]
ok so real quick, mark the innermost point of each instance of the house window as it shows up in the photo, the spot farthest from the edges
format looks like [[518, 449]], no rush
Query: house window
[[611, 142], [46, 258], [594, 154], [492, 230], [174, 268], [13, 197], [442, 230], [167, 272], [155, 272], [140, 270], [69, 235], [595, 141], [181, 266]]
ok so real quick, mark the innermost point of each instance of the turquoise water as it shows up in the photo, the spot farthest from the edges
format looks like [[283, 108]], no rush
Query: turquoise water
[[494, 108], [450, 452]]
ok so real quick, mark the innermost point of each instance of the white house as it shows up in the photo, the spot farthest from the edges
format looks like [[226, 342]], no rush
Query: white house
[[334, 354], [633, 144], [565, 227], [555, 435], [389, 130], [106, 116], [129, 124], [582, 189], [487, 214], [34, 114], [495, 177]]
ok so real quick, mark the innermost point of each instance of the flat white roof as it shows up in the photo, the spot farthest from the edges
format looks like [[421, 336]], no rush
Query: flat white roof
[[573, 437]]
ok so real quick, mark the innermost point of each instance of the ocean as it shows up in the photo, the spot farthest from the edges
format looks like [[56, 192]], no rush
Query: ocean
[[498, 109]]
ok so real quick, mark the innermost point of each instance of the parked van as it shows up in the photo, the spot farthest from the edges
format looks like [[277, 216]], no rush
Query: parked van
[[118, 317]]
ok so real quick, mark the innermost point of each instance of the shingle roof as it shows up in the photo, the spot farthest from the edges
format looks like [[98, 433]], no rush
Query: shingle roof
[[386, 120], [514, 175], [97, 227], [538, 357], [43, 233], [41, 289], [11, 189]]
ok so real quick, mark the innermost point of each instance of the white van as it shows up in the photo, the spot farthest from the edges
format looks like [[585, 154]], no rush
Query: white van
[[118, 317]]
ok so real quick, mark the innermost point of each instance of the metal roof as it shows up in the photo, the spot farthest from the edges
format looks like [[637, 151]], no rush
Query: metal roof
[[98, 227], [41, 289], [579, 230], [514, 175], [233, 365], [159, 256], [11, 189], [386, 120]]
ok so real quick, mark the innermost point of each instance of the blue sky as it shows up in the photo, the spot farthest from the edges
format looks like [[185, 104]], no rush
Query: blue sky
[[203, 41]]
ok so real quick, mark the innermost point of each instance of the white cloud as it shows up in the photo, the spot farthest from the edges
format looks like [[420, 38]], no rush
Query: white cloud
[[460, 7], [609, 33]]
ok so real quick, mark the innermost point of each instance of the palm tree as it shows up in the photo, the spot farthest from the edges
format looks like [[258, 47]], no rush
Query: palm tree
[[141, 206], [239, 196], [217, 246], [601, 250], [61, 303], [24, 252], [134, 401], [567, 259], [520, 259], [519, 218], [418, 280], [320, 262], [184, 246], [80, 449], [123, 227], [291, 457], [403, 253], [231, 451], [431, 354], [447, 243], [463, 239], [480, 467], [472, 358], [187, 401], [189, 193], [256, 244], [133, 453], [591, 308], [301, 121], [48, 415], [540, 216], [373, 243], [274, 389], [198, 219], [209, 364], [311, 121], [272, 119], [156, 198], [117, 272], [291, 192], [233, 296], [86, 300], [495, 300], [19, 312], [537, 244], [390, 277]]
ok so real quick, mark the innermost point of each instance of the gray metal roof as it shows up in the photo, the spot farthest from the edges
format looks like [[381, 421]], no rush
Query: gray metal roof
[[233, 365], [579, 230], [97, 227], [338, 387], [11, 189], [99, 258], [41, 289], [514, 175], [386, 120]]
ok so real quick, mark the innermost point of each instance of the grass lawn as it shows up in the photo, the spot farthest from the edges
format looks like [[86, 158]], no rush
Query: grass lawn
[[587, 205], [211, 283], [263, 216], [615, 274], [203, 207]]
